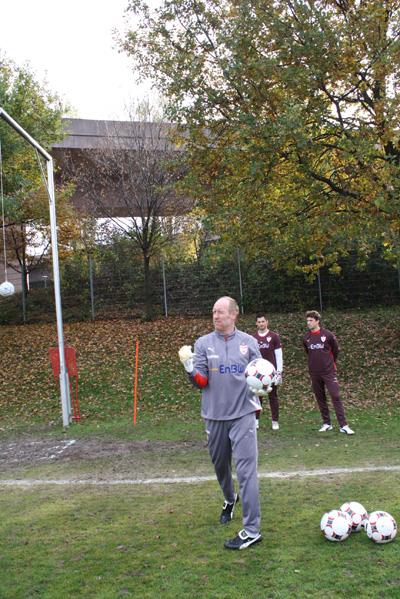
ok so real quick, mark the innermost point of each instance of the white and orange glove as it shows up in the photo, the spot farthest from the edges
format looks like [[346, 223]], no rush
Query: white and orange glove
[[186, 357]]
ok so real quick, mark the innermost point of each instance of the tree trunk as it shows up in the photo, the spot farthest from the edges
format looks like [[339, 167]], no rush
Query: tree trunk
[[23, 286], [147, 287], [24, 279]]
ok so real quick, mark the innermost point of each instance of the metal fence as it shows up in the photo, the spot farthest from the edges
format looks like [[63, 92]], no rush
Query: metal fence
[[110, 288]]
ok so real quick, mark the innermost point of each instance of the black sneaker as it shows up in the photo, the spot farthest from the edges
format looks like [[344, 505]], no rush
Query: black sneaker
[[227, 510], [242, 541]]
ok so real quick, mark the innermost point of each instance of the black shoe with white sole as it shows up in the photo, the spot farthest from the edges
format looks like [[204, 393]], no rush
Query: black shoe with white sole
[[227, 510], [242, 541]]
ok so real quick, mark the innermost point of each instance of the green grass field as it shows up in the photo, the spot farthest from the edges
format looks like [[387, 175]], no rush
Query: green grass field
[[79, 520]]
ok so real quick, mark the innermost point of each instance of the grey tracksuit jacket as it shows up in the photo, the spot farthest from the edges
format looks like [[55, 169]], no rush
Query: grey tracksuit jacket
[[222, 360]]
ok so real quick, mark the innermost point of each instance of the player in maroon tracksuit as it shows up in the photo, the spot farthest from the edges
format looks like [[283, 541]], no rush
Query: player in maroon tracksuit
[[270, 347], [322, 351]]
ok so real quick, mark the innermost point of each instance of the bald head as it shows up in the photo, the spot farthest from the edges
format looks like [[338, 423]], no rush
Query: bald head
[[225, 312]]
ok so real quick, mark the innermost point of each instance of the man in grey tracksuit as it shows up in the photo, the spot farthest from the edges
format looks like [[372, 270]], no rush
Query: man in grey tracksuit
[[229, 407]]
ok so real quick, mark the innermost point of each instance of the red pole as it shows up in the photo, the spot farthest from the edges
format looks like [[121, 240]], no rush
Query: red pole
[[136, 371]]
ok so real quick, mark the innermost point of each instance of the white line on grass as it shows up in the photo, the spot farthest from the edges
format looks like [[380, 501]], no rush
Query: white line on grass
[[188, 480]]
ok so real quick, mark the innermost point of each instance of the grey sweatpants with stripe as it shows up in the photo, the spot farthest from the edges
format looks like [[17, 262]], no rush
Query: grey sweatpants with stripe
[[238, 438]]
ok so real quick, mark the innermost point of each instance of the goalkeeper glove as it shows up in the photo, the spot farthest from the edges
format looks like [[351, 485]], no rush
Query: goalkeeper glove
[[278, 379], [186, 357], [261, 392]]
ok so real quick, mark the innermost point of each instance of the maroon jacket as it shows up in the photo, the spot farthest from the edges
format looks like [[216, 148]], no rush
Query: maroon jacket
[[322, 351], [267, 345]]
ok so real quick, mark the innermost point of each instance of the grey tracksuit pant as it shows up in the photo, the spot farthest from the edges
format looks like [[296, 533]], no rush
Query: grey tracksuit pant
[[238, 438]]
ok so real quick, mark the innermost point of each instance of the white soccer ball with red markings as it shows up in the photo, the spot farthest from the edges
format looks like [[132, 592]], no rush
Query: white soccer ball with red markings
[[381, 527], [336, 525], [358, 514], [260, 374]]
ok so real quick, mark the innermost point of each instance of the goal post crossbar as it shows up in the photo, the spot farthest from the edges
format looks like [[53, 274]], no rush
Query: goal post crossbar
[[64, 383], [6, 117]]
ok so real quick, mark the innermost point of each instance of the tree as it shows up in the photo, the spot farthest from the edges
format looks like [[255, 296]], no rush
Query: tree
[[131, 181], [291, 108], [26, 207]]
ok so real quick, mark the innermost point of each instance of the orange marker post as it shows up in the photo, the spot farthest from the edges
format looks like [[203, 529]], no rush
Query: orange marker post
[[136, 371]]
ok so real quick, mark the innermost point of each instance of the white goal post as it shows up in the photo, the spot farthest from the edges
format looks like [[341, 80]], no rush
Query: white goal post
[[64, 382]]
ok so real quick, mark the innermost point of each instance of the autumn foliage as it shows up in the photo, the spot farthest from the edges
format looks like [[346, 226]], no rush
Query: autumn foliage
[[368, 367], [290, 111]]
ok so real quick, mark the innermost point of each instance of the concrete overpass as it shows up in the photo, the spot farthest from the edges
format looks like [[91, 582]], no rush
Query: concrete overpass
[[86, 138]]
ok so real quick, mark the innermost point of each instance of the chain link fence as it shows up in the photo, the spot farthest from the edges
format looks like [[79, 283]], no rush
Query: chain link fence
[[109, 287]]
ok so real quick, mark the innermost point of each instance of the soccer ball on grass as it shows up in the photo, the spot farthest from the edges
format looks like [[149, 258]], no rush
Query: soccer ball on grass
[[358, 514], [381, 527], [336, 525]]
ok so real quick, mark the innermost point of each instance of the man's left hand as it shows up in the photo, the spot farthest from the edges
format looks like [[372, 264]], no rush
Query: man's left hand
[[261, 392]]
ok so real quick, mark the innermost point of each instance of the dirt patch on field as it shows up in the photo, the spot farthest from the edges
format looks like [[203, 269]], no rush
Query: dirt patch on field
[[86, 449], [92, 458]]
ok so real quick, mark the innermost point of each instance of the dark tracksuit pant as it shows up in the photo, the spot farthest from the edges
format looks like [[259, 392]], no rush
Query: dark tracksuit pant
[[238, 438], [273, 404], [329, 381]]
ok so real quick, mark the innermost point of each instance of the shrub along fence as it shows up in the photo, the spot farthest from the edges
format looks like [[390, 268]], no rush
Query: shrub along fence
[[107, 288]]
